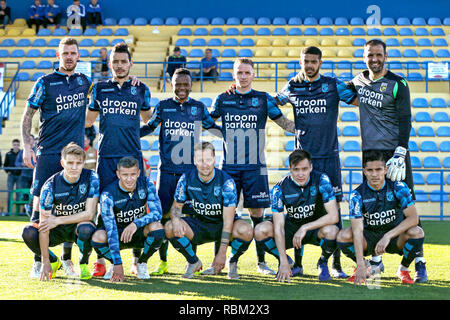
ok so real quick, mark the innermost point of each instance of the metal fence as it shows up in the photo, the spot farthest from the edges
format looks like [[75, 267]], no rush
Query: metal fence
[[8, 99]]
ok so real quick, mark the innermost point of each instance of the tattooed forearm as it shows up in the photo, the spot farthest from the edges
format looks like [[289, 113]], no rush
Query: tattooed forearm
[[286, 124], [27, 122], [175, 212]]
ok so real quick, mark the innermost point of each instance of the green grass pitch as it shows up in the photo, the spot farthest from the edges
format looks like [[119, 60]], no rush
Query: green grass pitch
[[16, 261]]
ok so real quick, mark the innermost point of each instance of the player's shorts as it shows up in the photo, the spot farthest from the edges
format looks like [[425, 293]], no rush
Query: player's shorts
[[388, 154], [254, 185], [62, 233], [332, 168], [137, 240], [107, 167], [166, 192], [205, 232], [372, 239], [311, 237], [46, 166]]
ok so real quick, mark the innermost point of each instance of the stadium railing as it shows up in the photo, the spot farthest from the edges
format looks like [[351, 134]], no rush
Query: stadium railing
[[8, 97]]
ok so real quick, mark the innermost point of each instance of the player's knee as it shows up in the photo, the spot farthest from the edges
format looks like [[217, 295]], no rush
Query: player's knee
[[30, 233], [153, 226], [168, 229], [85, 231], [243, 231], [330, 231], [415, 232], [99, 236], [345, 235], [263, 230]]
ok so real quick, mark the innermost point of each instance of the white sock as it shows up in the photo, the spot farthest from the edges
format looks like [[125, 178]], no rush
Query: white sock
[[403, 268], [420, 259], [376, 259]]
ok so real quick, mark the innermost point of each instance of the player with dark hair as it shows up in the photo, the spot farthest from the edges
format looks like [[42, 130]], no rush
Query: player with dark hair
[[120, 105], [68, 205], [182, 119], [312, 213], [213, 198], [125, 222], [383, 220], [244, 116]]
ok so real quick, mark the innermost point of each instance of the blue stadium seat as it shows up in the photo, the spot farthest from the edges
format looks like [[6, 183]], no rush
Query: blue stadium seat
[[199, 42], [353, 161], [153, 161], [73, 33], [216, 32], [233, 21], [419, 21], [263, 21], [418, 178], [342, 32], [154, 101], [406, 31], [394, 53], [421, 196], [358, 53], [279, 21], [248, 32], [424, 42], [357, 21], [263, 32], [102, 43], [330, 74], [201, 32], [247, 42], [172, 21], [420, 103], [295, 21], [344, 64], [83, 53], [410, 53], [28, 64], [23, 43], [349, 116], [341, 21], [358, 32], [442, 53], [110, 22], [145, 145], [408, 42], [434, 21], [122, 32], [425, 131], [373, 32], [90, 32], [295, 32], [423, 116], [23, 76], [187, 21], [310, 21], [86, 43], [231, 42], [140, 21], [39, 43], [106, 32], [248, 21], [446, 162], [185, 32], [289, 145], [18, 53], [155, 146], [215, 53], [387, 21], [437, 32], [293, 65], [352, 145], [392, 42], [426, 53], [444, 146], [279, 32], [431, 162], [226, 64], [193, 64], [157, 130], [429, 146], [446, 21], [247, 53], [441, 117], [218, 21], [44, 32], [440, 42], [95, 53], [443, 131], [8, 43], [415, 162], [225, 76], [310, 32], [156, 21], [326, 32], [154, 176], [357, 178], [434, 178], [228, 53], [412, 132], [415, 76], [350, 131], [345, 76], [232, 32], [37, 75], [59, 32], [412, 146], [359, 42], [421, 32], [403, 21], [390, 32], [215, 42], [395, 65], [44, 64], [436, 196], [437, 103], [325, 21], [206, 101]]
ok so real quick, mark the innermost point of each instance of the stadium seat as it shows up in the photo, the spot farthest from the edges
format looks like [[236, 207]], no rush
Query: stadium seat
[[310, 21], [125, 21], [325, 21], [153, 160], [373, 32], [350, 131], [392, 42], [263, 42], [437, 103], [193, 64], [349, 116], [145, 145], [172, 21], [357, 21], [206, 101], [410, 53], [4, 53], [356, 178], [202, 21], [437, 32], [341, 21], [446, 162], [423, 116], [201, 32], [279, 32], [106, 32], [102, 43], [73, 33], [408, 42], [443, 131], [359, 42], [84, 53], [358, 32], [140, 21], [37, 75], [389, 32], [18, 53], [233, 21], [326, 32], [90, 32], [39, 43], [437, 196], [387, 21], [8, 43], [44, 64], [95, 53], [154, 176], [425, 131], [434, 21], [424, 42], [310, 32], [420, 103], [394, 53], [155, 146], [199, 42], [23, 76], [353, 161], [418, 178], [421, 196], [351, 145], [429, 146], [263, 32], [434, 178], [216, 32], [225, 76], [247, 53], [441, 117], [196, 53], [228, 53], [344, 65], [232, 32], [247, 42], [28, 64], [218, 21], [23, 43], [440, 42], [395, 65], [344, 42], [419, 21], [442, 53], [415, 162], [214, 42], [295, 32], [421, 32], [412, 146], [342, 32], [279, 21], [231, 42], [187, 21], [446, 21], [405, 32], [444, 146], [295, 21], [86, 43], [289, 145], [185, 32], [263, 21], [403, 21], [248, 32], [116, 41], [110, 22], [426, 53], [44, 32], [431, 162], [415, 76], [262, 52]]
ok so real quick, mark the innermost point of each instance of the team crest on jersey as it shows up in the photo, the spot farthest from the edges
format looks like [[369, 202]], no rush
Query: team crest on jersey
[[133, 91], [324, 87], [255, 102], [216, 191], [141, 193], [389, 196], [82, 188], [383, 87], [313, 191], [194, 111], [80, 81]]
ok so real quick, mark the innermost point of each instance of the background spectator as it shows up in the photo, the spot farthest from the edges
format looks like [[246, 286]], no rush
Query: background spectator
[[5, 14], [13, 175], [91, 154], [76, 10], [36, 14], [94, 13], [52, 13], [177, 60], [209, 65], [26, 176], [101, 69]]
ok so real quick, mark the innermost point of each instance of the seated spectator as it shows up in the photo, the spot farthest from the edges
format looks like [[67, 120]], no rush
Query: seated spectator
[[76, 15], [94, 13], [26, 176], [91, 154], [52, 13], [36, 14], [175, 61], [13, 175], [5, 14], [101, 69], [209, 67]]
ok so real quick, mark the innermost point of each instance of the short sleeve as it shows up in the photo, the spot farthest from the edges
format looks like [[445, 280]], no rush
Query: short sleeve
[[326, 189], [403, 194], [272, 108]]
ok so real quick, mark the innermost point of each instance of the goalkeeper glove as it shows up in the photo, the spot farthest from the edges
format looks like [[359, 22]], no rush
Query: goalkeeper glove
[[397, 166]]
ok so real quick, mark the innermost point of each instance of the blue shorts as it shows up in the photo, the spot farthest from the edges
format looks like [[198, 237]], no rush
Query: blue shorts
[[311, 237], [332, 168], [205, 232], [107, 167], [254, 185], [46, 166], [166, 192], [137, 240], [372, 239]]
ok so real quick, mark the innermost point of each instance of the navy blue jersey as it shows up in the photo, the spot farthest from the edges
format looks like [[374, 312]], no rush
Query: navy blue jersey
[[119, 208], [303, 204], [382, 210], [181, 127], [207, 199], [62, 102], [64, 198], [316, 109], [244, 118], [120, 109]]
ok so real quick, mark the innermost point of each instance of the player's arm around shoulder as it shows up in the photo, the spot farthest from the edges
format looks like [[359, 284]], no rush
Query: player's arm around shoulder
[[277, 115], [93, 109], [146, 111]]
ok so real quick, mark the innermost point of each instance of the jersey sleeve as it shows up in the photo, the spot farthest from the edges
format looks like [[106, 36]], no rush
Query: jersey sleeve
[[106, 209], [37, 95], [94, 190], [355, 205], [147, 96], [153, 123], [46, 199], [180, 191], [154, 207], [283, 95], [93, 102], [215, 112], [403, 194], [272, 108], [229, 193], [346, 94], [276, 199], [326, 189], [403, 104]]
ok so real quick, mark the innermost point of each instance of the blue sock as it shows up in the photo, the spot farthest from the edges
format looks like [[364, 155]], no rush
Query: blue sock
[[270, 246], [238, 247], [328, 247], [298, 256], [102, 250], [411, 250], [184, 246], [259, 248], [348, 249], [85, 232], [152, 244]]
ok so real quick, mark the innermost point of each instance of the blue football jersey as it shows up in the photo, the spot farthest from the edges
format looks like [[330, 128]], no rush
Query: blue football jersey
[[316, 109], [244, 118], [181, 128], [62, 102], [207, 199], [119, 109], [382, 210], [64, 198], [303, 204]]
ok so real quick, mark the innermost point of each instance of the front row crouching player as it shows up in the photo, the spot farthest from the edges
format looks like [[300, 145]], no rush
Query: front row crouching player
[[383, 219], [213, 198], [311, 216], [68, 204], [125, 222]]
